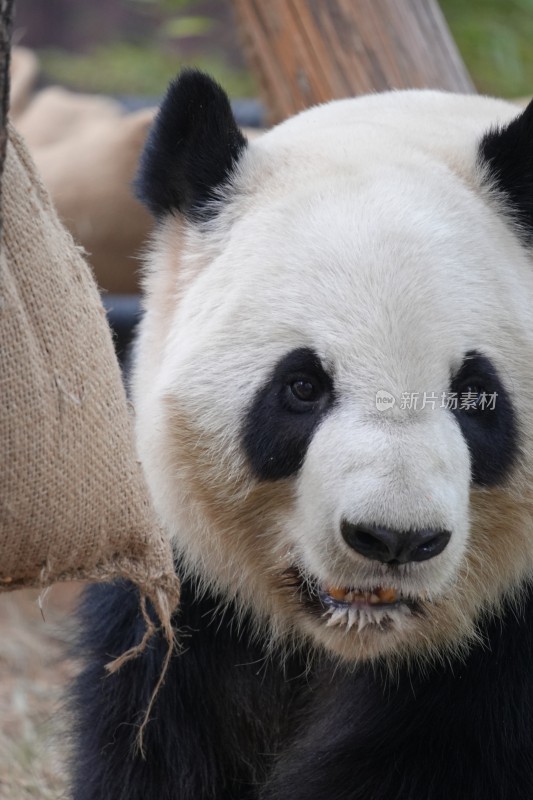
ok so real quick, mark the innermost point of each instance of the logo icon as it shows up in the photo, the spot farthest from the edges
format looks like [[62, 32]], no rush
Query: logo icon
[[384, 400]]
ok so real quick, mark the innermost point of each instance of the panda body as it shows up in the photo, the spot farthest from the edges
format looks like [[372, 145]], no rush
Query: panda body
[[356, 618], [235, 722]]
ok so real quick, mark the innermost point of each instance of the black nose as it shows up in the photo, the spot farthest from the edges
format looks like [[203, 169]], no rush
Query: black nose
[[394, 547]]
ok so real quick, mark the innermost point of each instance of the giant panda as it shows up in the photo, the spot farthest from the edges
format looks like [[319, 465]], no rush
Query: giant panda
[[333, 392]]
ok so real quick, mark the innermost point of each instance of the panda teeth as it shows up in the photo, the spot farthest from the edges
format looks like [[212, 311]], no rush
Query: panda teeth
[[354, 616], [337, 615], [359, 617]]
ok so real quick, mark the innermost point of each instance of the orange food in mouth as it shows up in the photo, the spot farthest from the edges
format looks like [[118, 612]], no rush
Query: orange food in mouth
[[378, 596], [370, 608]]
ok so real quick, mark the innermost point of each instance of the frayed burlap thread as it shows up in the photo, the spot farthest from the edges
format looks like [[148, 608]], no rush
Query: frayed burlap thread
[[73, 501]]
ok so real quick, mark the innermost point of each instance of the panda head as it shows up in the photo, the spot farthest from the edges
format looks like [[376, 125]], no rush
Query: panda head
[[333, 387]]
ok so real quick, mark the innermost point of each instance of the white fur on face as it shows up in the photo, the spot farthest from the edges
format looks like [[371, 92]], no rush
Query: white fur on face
[[359, 230]]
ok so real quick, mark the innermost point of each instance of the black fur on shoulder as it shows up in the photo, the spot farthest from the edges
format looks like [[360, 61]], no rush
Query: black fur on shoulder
[[231, 723], [191, 150], [508, 152], [218, 720]]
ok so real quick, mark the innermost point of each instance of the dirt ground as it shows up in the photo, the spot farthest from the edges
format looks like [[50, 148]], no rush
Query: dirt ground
[[34, 671]]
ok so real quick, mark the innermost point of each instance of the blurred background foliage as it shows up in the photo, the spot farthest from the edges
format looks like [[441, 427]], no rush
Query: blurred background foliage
[[495, 38], [132, 47]]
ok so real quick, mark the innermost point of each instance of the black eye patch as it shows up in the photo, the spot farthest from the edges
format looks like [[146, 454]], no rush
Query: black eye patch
[[285, 413], [487, 419]]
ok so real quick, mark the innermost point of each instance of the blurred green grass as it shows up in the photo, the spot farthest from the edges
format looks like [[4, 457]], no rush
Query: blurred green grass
[[494, 37], [142, 69]]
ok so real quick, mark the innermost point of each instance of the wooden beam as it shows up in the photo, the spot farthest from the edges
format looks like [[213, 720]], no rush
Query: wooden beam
[[310, 51]]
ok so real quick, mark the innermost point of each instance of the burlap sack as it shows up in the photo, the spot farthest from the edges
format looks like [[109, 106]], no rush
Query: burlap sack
[[73, 503]]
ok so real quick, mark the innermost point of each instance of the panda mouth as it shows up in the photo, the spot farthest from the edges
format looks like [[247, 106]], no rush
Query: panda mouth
[[351, 607], [335, 597], [360, 608]]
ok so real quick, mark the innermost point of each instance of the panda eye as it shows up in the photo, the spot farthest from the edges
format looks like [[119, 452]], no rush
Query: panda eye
[[484, 411], [304, 393], [285, 413], [474, 386], [305, 390], [473, 397]]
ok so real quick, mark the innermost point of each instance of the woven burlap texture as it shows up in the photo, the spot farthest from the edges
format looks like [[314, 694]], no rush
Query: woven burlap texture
[[73, 502]]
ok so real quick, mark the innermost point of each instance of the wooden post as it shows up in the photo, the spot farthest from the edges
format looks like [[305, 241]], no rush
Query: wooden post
[[310, 51]]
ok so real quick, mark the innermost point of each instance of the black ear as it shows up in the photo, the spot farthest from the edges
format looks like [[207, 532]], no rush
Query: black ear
[[191, 150], [508, 153]]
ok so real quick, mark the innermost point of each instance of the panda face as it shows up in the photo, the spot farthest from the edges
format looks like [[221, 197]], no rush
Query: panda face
[[332, 387]]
